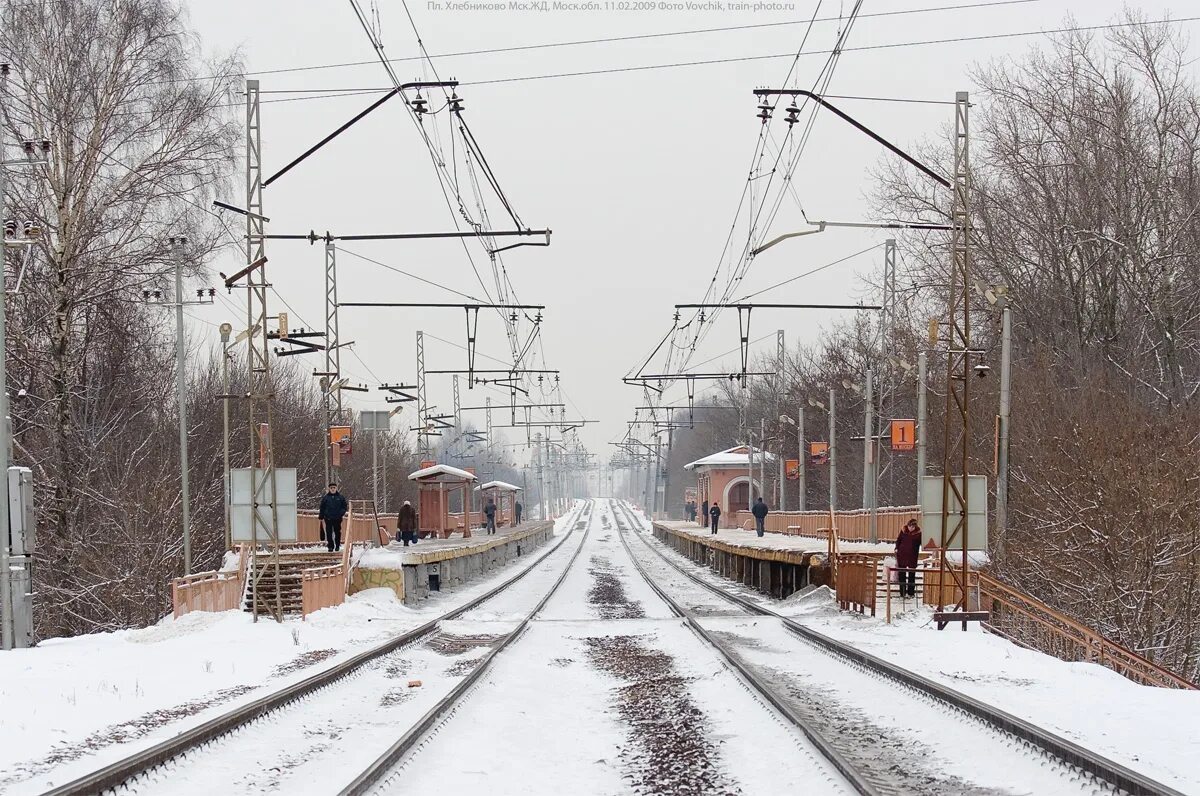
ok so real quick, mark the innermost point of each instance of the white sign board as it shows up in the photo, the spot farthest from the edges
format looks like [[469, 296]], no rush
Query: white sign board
[[375, 421], [285, 505], [977, 503]]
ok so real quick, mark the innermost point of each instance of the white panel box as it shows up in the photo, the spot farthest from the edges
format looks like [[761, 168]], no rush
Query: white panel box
[[285, 505], [977, 505], [22, 529]]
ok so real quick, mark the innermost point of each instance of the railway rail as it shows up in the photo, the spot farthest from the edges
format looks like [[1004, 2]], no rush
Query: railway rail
[[1057, 750], [125, 773]]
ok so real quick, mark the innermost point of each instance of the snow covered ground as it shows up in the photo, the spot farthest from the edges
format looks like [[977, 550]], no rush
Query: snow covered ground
[[606, 692], [1151, 730], [74, 704]]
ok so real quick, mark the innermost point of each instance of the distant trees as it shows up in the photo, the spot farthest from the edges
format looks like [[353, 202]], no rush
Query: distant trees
[[141, 139]]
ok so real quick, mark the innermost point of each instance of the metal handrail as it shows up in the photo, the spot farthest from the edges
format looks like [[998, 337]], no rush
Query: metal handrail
[[1107, 652]]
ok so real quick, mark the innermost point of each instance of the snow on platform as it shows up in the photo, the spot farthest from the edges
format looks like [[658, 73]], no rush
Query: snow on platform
[[428, 551], [769, 545]]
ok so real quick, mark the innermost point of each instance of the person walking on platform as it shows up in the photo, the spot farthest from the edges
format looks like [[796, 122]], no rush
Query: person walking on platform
[[704, 511], [406, 523], [517, 509], [333, 509], [908, 550], [714, 516], [759, 510], [489, 511]]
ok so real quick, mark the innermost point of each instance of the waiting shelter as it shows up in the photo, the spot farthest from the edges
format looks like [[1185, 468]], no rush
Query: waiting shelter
[[435, 485], [724, 478], [505, 497]]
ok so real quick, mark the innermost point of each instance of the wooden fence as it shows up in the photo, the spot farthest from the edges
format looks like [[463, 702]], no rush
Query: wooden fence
[[355, 528], [322, 587], [857, 576], [206, 591], [1029, 622], [853, 526]]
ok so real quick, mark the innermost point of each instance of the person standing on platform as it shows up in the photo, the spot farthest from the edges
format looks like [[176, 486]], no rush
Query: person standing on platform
[[759, 510], [714, 516], [333, 509], [489, 511], [704, 511], [406, 523], [517, 509], [908, 550]]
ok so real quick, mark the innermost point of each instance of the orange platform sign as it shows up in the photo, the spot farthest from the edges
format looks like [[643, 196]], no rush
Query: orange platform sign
[[904, 435], [819, 452], [791, 469]]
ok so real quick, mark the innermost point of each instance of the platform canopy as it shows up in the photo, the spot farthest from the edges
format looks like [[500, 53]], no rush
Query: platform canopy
[[442, 472], [734, 458], [499, 486]]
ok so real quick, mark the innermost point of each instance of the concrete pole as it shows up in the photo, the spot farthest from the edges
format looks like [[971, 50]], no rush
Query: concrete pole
[[667, 474], [800, 449], [181, 400], [781, 354], [6, 605], [870, 462], [867, 423], [750, 459], [832, 451], [1005, 409], [762, 460], [922, 364], [225, 331], [375, 469]]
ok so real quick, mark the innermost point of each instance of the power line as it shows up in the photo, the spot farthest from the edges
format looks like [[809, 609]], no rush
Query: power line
[[618, 39], [810, 273]]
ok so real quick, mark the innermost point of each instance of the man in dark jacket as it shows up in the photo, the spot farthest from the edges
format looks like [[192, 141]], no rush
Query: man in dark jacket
[[333, 509], [517, 509], [714, 516], [406, 523], [489, 511], [759, 510], [908, 550]]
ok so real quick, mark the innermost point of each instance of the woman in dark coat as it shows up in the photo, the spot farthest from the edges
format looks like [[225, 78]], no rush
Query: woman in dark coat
[[908, 549]]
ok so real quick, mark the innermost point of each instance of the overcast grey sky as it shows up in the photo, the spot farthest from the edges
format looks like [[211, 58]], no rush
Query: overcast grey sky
[[637, 172]]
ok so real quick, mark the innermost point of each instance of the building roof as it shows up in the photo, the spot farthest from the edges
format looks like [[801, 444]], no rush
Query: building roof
[[730, 459], [450, 473], [500, 485]]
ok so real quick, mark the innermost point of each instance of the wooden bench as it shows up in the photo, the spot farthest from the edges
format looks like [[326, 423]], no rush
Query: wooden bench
[[944, 618]]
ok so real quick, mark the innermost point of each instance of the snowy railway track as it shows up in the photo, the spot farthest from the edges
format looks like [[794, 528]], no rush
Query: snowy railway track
[[128, 773], [1079, 768], [672, 707]]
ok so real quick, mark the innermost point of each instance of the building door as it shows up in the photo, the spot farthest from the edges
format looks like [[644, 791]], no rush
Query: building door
[[739, 496]]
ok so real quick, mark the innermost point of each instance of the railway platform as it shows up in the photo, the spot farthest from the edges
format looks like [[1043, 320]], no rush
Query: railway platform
[[775, 564], [436, 564]]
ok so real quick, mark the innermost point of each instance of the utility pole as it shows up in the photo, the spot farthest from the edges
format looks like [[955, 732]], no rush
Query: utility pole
[[762, 459], [422, 404], [333, 357], [261, 405], [780, 353], [8, 608], [667, 473], [922, 412], [800, 452], [870, 461], [832, 450], [957, 436], [181, 399], [1002, 422], [226, 330]]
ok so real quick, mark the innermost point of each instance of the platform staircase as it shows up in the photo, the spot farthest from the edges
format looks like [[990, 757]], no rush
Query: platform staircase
[[288, 585]]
